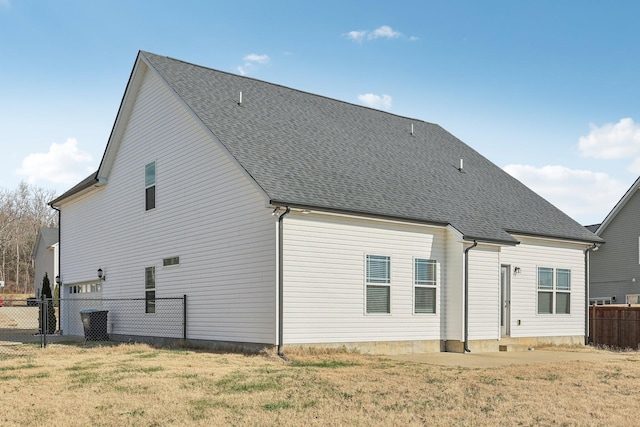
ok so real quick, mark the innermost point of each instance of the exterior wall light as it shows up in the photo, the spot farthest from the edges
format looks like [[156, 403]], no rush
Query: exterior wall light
[[516, 270], [101, 275]]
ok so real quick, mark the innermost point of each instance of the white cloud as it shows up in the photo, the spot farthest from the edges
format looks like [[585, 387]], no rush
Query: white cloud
[[612, 140], [62, 164], [261, 59], [383, 32], [584, 195], [376, 101], [356, 35], [249, 63]]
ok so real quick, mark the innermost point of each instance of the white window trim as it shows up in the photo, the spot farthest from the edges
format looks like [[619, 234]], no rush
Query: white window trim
[[155, 181], [171, 265], [154, 289], [367, 283], [554, 291], [434, 286]]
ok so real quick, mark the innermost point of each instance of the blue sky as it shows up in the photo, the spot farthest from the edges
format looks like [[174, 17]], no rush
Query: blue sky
[[547, 90]]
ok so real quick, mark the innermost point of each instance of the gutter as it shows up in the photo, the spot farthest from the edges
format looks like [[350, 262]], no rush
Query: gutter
[[593, 247], [281, 280], [59, 270], [466, 296]]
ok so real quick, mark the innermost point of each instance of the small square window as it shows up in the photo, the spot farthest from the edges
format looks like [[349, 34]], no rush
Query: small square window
[[171, 261]]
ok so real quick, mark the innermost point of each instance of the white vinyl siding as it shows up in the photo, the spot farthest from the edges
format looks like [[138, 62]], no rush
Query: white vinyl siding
[[324, 275], [452, 293], [226, 240], [530, 254], [484, 292], [616, 264]]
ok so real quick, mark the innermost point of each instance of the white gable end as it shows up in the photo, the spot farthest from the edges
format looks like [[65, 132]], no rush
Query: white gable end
[[206, 210]]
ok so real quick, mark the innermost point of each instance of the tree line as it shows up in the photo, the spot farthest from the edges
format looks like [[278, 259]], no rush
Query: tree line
[[22, 212]]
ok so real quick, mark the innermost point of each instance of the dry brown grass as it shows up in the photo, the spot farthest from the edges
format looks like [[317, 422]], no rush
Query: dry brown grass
[[7, 322], [15, 296], [138, 385]]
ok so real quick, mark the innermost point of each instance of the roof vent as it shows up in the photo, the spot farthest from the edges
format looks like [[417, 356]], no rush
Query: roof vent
[[240, 101], [461, 165], [411, 128]]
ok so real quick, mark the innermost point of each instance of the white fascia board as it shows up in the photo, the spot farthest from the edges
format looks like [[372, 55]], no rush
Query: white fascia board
[[122, 118]]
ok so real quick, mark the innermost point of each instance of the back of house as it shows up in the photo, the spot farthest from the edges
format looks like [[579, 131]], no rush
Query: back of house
[[292, 219]]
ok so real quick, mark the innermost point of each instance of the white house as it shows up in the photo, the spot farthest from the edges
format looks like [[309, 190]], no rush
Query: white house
[[289, 218], [45, 258]]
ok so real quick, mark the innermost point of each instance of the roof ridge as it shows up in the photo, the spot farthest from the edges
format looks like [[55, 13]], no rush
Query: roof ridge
[[289, 88]]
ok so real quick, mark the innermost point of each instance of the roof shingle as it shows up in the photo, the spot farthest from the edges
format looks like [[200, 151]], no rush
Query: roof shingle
[[308, 150]]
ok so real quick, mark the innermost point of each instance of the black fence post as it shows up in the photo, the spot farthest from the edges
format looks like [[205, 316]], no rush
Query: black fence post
[[46, 321], [41, 318], [184, 317], [59, 312]]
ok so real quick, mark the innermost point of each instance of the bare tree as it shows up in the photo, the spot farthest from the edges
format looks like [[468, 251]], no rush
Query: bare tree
[[22, 212]]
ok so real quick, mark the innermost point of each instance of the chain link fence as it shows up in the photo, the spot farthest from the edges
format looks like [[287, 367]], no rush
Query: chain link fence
[[92, 319]]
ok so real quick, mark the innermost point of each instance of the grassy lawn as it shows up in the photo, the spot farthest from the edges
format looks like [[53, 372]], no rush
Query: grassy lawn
[[138, 385]]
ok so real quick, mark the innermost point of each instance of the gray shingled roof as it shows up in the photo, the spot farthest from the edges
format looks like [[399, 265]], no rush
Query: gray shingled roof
[[307, 150], [592, 228], [49, 235], [82, 185]]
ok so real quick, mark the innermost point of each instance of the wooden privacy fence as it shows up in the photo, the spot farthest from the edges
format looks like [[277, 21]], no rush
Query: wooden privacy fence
[[614, 325]]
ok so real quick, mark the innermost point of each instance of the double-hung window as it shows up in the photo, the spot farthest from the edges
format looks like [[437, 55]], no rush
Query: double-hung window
[[150, 185], [424, 280], [150, 290], [554, 290], [378, 284]]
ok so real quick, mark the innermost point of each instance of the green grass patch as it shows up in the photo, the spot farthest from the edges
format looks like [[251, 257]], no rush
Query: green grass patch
[[83, 367], [331, 364], [85, 377], [200, 408], [239, 383], [151, 355], [39, 375], [137, 369], [277, 406], [8, 377], [488, 380]]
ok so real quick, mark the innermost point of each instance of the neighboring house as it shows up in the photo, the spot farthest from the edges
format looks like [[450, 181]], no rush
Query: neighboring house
[[615, 267], [289, 218], [45, 258]]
